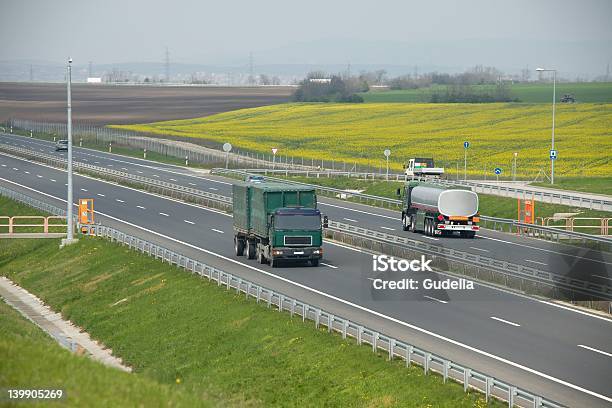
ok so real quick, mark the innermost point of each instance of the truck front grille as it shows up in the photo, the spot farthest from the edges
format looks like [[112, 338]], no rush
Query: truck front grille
[[293, 240]]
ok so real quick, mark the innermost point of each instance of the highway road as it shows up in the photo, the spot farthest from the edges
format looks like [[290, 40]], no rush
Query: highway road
[[559, 352], [580, 263]]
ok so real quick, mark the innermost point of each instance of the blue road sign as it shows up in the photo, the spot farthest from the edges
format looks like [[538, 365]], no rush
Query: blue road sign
[[498, 170], [466, 145], [553, 155]]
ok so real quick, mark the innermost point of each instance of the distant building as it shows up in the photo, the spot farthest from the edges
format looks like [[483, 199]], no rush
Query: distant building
[[94, 80], [320, 80]]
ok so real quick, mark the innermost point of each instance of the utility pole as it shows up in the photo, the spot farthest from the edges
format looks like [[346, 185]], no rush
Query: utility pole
[[608, 72], [167, 65], [69, 200], [90, 70], [251, 72], [348, 71]]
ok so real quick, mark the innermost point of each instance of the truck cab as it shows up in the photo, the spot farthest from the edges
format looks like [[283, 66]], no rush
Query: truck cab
[[422, 167]]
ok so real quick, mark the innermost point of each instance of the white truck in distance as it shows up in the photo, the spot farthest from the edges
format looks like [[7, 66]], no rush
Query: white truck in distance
[[423, 167]]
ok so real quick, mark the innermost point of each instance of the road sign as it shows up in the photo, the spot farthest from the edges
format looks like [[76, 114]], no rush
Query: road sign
[[498, 171], [274, 150], [227, 147], [466, 145], [553, 155], [387, 152]]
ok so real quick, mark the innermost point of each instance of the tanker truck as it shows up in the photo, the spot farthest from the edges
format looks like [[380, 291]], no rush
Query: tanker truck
[[276, 222], [439, 210]]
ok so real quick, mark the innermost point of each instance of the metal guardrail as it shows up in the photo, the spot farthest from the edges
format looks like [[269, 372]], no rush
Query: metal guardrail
[[505, 268]]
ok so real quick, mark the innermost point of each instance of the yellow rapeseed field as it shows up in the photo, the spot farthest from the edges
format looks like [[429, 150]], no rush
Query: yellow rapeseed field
[[359, 133]]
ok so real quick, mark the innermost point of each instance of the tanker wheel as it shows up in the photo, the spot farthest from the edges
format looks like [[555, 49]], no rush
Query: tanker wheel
[[413, 224], [250, 253], [426, 227], [261, 258], [405, 223], [238, 246]]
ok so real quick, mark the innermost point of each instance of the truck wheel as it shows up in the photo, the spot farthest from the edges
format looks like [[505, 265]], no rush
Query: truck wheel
[[314, 262], [273, 263], [405, 223], [470, 234], [426, 227], [250, 253], [238, 246], [413, 224], [261, 258]]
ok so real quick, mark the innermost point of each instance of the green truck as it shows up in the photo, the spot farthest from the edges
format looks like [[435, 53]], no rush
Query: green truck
[[439, 210], [277, 222]]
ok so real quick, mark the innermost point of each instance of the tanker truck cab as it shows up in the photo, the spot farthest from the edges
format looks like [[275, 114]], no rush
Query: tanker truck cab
[[439, 210], [295, 235]]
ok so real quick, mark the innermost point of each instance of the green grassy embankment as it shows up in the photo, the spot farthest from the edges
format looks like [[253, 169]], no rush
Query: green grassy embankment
[[31, 359], [189, 335]]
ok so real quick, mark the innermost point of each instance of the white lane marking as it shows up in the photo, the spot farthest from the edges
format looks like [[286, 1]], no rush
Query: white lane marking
[[432, 238], [15, 168], [349, 220], [53, 180], [155, 175], [359, 211], [480, 249], [595, 350], [328, 265], [141, 207], [216, 230], [96, 162], [535, 262], [26, 172], [387, 228], [164, 214], [39, 176], [191, 184], [505, 321], [436, 299], [602, 277], [101, 195], [545, 250], [172, 179], [138, 171], [123, 168], [4, 165], [109, 165], [83, 190], [212, 188], [118, 200], [189, 222]]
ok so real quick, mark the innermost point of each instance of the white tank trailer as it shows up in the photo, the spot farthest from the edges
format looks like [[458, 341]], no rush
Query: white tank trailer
[[439, 210]]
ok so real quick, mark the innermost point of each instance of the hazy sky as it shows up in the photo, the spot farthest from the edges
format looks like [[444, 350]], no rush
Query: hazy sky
[[223, 32]]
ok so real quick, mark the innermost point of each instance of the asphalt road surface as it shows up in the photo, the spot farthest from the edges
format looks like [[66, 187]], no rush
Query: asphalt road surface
[[556, 351]]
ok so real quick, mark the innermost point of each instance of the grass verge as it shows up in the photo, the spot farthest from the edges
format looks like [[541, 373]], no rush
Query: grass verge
[[32, 360], [186, 333]]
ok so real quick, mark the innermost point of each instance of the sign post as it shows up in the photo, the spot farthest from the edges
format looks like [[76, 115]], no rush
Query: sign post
[[387, 153], [274, 150], [227, 148], [466, 144], [498, 171]]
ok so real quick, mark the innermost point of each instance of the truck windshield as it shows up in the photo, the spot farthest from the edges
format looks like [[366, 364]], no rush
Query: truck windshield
[[293, 222]]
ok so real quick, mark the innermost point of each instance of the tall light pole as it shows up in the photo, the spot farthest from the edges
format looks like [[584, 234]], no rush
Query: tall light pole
[[552, 148], [69, 200], [514, 170]]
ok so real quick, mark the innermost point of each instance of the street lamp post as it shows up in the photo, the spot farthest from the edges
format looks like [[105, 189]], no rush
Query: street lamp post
[[552, 161], [69, 200], [514, 169]]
